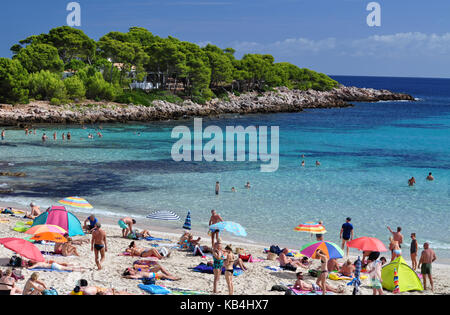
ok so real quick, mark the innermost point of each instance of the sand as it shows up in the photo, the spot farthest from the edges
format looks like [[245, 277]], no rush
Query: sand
[[256, 281]]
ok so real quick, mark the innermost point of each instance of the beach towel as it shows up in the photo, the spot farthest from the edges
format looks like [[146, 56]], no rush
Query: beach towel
[[151, 239], [298, 292], [273, 268], [203, 268], [154, 289], [50, 270], [338, 276]]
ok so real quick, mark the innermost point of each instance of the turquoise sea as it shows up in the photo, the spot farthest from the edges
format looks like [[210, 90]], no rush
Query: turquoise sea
[[367, 154]]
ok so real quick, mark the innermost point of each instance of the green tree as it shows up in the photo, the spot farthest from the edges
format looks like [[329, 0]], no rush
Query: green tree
[[45, 85], [75, 87], [14, 80], [37, 57]]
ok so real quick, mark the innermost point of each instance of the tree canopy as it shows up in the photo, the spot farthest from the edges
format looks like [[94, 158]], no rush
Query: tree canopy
[[104, 69]]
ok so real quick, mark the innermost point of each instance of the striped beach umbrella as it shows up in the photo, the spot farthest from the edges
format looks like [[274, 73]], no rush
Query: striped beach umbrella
[[76, 202], [330, 249], [311, 227], [229, 226], [164, 215], [187, 223]]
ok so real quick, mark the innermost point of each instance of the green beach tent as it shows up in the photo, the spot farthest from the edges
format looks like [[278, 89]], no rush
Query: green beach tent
[[407, 278]]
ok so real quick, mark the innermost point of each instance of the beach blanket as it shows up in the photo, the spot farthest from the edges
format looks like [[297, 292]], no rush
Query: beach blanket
[[50, 270], [155, 239], [177, 291], [154, 289], [273, 268], [338, 276], [203, 268]]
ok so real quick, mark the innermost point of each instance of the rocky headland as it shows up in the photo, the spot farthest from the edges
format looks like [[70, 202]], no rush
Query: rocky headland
[[280, 100]]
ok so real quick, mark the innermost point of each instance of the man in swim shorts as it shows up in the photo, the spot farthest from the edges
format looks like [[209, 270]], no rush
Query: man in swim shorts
[[127, 226], [99, 245], [215, 218], [346, 233], [426, 259]]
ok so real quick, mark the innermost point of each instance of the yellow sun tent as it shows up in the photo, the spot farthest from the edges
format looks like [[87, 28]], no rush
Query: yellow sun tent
[[407, 278]]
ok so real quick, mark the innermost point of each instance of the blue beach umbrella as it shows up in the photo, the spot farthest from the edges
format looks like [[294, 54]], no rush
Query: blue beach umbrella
[[229, 226], [164, 216], [187, 223]]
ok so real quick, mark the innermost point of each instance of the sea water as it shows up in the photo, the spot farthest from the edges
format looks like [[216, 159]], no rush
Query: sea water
[[367, 154]]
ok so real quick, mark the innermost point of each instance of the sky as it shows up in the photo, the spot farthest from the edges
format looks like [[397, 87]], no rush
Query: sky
[[330, 36]]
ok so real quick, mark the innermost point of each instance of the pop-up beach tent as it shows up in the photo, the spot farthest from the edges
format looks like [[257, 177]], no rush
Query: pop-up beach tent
[[61, 217], [407, 278]]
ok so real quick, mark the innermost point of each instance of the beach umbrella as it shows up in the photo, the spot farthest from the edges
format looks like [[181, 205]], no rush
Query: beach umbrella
[[23, 248], [330, 249], [164, 215], [356, 282], [229, 226], [42, 228], [187, 223], [311, 227], [50, 237], [367, 244], [76, 202]]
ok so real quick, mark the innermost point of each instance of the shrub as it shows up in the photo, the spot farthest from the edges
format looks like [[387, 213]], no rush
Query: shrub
[[97, 88], [75, 87], [14, 80], [55, 101], [45, 85]]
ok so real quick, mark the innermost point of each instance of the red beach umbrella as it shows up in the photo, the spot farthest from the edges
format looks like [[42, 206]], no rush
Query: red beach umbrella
[[368, 244], [23, 248]]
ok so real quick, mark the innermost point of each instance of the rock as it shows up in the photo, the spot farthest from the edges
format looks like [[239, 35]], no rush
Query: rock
[[10, 174]]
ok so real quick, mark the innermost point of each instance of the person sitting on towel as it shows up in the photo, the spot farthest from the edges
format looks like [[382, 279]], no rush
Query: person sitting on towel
[[301, 285], [288, 263]]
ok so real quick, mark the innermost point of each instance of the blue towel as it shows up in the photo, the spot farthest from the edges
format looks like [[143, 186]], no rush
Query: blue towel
[[151, 238], [45, 269], [154, 289], [209, 269]]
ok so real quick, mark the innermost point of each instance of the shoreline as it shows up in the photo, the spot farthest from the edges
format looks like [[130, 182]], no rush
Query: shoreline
[[278, 101]]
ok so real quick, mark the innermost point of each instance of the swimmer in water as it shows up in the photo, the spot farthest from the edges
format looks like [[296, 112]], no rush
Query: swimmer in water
[[233, 189], [303, 163], [430, 177], [247, 185], [411, 181], [317, 163]]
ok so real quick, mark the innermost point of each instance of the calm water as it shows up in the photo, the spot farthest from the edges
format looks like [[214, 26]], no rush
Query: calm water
[[367, 152]]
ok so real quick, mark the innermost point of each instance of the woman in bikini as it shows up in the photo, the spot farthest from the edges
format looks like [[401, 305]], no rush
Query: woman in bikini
[[322, 279], [218, 260], [34, 286], [141, 252], [8, 284], [229, 269], [395, 248]]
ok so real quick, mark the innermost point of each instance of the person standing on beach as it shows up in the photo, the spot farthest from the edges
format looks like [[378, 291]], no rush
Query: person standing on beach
[[99, 245], [413, 250], [374, 267], [127, 226], [346, 233], [218, 260], [229, 269], [217, 188], [215, 218], [430, 177], [322, 279], [426, 259], [397, 235], [395, 248]]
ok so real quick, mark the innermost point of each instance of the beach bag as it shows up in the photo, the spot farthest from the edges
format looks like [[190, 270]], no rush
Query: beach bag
[[279, 288], [163, 251], [15, 261], [50, 291], [7, 211], [149, 281], [272, 256], [289, 292], [275, 249]]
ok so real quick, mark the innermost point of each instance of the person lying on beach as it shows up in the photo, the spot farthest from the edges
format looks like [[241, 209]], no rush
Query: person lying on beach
[[53, 265], [68, 249], [347, 269], [8, 284], [59, 246], [304, 286], [143, 234], [34, 286], [141, 252], [130, 273], [288, 263], [35, 212]]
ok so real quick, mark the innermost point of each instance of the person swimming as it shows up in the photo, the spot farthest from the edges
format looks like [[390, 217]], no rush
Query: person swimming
[[430, 177]]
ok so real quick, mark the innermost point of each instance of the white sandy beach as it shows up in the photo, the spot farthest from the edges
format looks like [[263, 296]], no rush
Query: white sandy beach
[[256, 281]]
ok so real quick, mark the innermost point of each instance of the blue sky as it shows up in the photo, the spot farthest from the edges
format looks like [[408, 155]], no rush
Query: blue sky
[[330, 36]]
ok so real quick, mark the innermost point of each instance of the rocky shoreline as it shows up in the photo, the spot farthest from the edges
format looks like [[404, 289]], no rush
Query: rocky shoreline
[[280, 100]]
